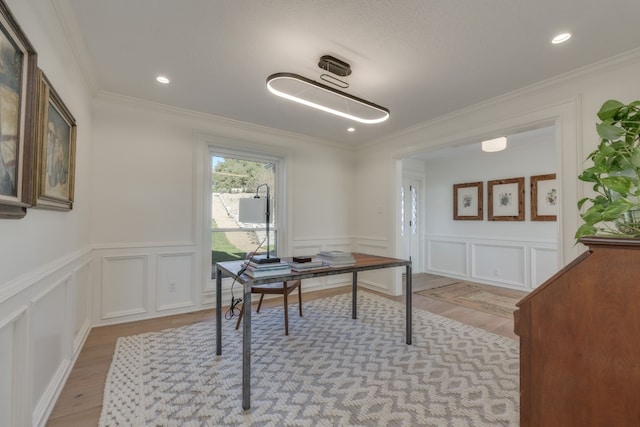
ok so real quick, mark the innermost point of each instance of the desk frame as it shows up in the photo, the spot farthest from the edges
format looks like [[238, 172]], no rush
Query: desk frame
[[364, 262]]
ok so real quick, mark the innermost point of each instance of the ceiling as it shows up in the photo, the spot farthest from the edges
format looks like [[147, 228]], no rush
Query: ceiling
[[419, 58]]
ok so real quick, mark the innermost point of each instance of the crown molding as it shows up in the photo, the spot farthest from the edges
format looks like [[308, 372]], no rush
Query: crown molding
[[223, 122], [608, 64], [69, 24]]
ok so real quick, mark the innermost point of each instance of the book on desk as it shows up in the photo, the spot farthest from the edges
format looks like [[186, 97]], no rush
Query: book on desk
[[336, 258], [256, 269]]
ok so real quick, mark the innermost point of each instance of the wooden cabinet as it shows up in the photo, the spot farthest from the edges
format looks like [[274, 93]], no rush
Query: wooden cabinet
[[580, 341]]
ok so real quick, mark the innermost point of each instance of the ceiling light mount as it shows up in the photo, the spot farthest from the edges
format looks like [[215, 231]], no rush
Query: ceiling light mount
[[334, 65]]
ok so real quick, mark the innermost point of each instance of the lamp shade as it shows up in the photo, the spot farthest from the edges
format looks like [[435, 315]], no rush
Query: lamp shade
[[493, 145], [252, 210]]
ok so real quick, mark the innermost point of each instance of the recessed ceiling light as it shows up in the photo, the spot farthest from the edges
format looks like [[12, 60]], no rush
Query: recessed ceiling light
[[561, 38], [162, 79], [351, 129]]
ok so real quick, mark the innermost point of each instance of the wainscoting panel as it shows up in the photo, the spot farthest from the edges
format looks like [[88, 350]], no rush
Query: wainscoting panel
[[176, 287], [43, 324], [124, 285], [82, 304], [507, 263], [50, 342], [501, 263], [385, 280], [447, 257], [14, 389], [544, 261], [7, 363]]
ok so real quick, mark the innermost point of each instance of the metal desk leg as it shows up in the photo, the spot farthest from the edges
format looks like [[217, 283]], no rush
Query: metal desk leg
[[408, 306], [218, 311], [354, 296], [246, 347]]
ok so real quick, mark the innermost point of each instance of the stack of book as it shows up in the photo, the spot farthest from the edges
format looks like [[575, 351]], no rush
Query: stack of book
[[336, 258], [256, 270], [301, 264]]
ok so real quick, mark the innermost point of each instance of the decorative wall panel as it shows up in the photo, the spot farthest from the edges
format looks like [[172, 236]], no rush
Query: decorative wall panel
[[175, 284], [124, 285], [447, 257]]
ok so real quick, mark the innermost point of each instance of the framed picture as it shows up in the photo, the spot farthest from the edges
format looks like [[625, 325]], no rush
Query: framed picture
[[544, 197], [56, 150], [506, 199], [467, 201], [18, 82]]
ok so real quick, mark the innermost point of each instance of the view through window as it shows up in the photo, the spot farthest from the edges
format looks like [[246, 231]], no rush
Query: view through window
[[231, 180]]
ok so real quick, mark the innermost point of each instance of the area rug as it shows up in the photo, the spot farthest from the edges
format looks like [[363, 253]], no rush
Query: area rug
[[489, 299], [330, 371]]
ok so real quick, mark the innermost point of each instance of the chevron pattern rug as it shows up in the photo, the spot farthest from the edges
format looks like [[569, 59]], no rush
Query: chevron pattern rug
[[330, 371]]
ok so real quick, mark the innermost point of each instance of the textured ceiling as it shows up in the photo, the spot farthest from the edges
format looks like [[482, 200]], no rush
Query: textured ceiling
[[418, 58]]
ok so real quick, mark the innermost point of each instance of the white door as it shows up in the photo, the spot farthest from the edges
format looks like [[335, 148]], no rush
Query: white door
[[410, 221]]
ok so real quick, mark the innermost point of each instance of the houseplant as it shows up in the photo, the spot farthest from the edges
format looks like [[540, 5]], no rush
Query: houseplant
[[614, 210]]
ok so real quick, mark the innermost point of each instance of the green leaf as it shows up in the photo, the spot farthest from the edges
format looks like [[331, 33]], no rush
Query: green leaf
[[588, 176], [619, 184], [581, 202], [609, 132], [635, 159], [593, 215], [585, 230], [609, 109], [615, 209]]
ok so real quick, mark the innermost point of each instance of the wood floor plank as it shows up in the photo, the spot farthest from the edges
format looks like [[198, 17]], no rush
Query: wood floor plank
[[80, 402]]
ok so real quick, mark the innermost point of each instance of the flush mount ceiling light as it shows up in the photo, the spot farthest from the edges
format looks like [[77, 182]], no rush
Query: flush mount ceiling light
[[493, 145], [325, 98], [162, 79]]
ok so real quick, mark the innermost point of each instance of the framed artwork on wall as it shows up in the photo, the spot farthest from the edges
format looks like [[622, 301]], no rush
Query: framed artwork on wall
[[56, 150], [506, 199], [544, 197], [18, 82], [467, 201]]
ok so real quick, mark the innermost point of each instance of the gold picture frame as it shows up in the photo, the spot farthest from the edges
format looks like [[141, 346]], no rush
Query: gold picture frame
[[467, 201], [56, 150], [506, 199], [544, 197], [18, 82]]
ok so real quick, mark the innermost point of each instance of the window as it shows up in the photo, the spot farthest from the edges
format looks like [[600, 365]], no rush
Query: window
[[235, 176]]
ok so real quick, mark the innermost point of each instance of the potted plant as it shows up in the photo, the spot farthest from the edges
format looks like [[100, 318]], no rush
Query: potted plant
[[615, 174]]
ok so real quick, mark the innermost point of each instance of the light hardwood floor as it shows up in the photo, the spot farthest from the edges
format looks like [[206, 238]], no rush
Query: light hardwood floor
[[80, 402]]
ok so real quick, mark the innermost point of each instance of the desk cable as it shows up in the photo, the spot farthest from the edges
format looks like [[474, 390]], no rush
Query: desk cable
[[233, 309]]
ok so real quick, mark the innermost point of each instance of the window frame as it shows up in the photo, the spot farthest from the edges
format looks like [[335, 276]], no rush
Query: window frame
[[278, 194]]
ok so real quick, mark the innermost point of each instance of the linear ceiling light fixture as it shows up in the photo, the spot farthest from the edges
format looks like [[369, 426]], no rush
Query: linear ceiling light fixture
[[322, 97]]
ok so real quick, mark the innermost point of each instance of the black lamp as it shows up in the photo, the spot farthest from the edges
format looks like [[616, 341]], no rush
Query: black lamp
[[256, 211]]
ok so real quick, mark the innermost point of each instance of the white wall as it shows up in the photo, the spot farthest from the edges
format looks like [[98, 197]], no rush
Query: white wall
[[569, 102], [151, 217], [494, 252], [45, 270]]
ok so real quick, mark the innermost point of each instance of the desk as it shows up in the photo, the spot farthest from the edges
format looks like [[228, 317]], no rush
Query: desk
[[364, 262]]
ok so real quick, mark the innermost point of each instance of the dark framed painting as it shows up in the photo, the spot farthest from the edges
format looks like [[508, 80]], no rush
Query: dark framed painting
[[544, 197], [56, 150], [506, 199], [467, 201], [18, 82]]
